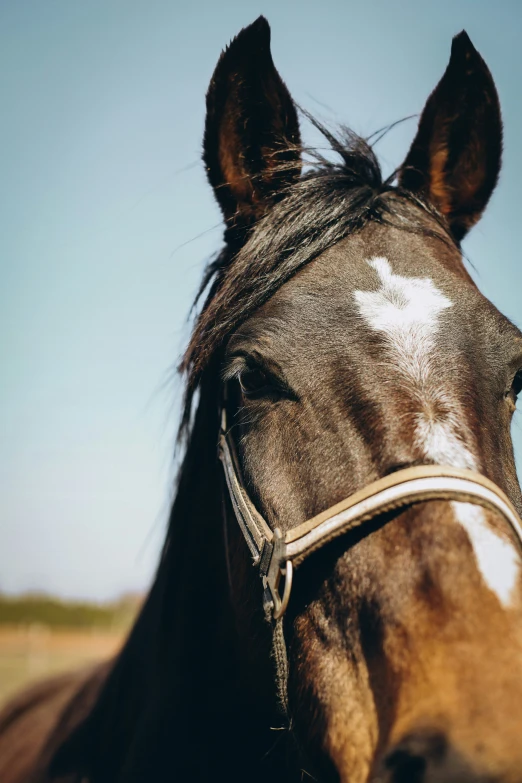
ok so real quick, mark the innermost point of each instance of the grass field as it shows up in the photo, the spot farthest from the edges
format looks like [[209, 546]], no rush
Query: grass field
[[31, 652]]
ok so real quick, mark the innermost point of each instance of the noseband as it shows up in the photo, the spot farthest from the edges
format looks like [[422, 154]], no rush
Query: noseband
[[277, 555]]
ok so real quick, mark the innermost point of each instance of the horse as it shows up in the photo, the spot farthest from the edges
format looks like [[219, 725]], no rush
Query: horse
[[349, 394]]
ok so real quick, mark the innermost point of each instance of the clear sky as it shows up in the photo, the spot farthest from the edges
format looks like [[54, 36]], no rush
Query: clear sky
[[106, 222]]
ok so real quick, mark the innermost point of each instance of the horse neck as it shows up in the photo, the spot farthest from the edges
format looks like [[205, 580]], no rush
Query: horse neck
[[175, 702]]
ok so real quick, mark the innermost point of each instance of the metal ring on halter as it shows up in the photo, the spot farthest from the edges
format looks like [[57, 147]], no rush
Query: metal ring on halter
[[280, 604], [279, 566]]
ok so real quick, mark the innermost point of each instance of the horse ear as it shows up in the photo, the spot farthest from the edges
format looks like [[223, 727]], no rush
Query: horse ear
[[454, 161], [251, 145]]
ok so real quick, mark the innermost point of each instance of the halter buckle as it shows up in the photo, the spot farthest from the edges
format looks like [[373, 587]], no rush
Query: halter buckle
[[279, 566]]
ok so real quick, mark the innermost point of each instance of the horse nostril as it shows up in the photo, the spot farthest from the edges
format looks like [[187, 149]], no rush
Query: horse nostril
[[408, 761], [405, 768]]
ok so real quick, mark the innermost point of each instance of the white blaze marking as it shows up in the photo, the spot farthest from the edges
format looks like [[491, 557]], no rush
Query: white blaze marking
[[497, 560], [441, 444], [406, 310]]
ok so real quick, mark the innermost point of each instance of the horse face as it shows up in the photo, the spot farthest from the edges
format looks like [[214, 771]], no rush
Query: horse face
[[405, 644]]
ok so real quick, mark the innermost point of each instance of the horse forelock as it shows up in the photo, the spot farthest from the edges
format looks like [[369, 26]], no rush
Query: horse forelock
[[333, 199]]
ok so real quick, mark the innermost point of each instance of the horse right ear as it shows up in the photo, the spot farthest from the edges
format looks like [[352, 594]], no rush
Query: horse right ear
[[251, 147], [454, 161]]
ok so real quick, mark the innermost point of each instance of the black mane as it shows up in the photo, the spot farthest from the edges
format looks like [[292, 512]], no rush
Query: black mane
[[330, 201]]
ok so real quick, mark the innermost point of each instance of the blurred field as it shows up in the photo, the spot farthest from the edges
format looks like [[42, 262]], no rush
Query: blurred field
[[41, 636], [36, 651]]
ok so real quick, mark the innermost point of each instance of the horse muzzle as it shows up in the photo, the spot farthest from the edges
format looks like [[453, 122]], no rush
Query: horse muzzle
[[430, 756]]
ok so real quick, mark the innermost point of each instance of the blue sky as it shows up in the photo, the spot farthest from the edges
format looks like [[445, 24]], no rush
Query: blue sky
[[106, 222]]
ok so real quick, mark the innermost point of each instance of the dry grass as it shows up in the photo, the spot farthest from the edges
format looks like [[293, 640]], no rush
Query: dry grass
[[29, 653]]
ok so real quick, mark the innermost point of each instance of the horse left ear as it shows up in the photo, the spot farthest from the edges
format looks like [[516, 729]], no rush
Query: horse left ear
[[454, 161], [251, 147]]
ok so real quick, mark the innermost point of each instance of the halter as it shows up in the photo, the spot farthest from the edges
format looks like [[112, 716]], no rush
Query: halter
[[277, 555]]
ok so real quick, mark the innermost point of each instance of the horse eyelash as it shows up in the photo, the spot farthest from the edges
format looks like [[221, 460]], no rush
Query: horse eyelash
[[231, 373], [234, 367]]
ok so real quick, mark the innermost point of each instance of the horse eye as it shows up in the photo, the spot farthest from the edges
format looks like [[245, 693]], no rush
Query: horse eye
[[516, 388], [253, 382], [514, 391]]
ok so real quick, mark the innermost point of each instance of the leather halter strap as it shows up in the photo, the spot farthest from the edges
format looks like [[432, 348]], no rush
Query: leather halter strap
[[277, 555]]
